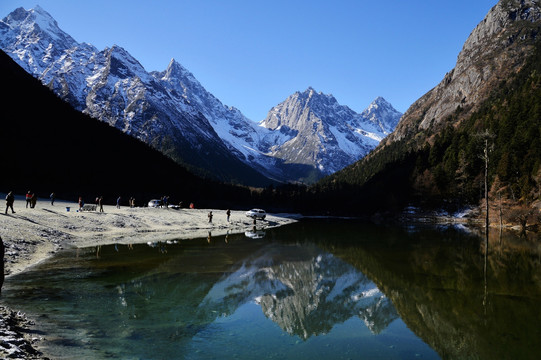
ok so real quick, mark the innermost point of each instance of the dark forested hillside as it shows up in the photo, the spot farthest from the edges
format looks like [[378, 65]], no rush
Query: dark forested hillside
[[48, 146], [447, 170]]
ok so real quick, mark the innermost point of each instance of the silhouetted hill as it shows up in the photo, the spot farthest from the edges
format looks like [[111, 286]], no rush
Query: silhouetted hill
[[48, 146]]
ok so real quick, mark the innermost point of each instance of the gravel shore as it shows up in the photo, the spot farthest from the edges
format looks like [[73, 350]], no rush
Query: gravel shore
[[31, 235]]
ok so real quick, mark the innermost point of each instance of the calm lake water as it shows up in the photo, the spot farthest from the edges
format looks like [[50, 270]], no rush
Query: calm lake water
[[312, 290]]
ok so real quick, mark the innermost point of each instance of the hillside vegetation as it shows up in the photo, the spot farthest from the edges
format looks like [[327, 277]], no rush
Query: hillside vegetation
[[50, 147], [445, 169]]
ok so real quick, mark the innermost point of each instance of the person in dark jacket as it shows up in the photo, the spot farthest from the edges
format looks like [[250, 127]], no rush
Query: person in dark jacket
[[10, 199]]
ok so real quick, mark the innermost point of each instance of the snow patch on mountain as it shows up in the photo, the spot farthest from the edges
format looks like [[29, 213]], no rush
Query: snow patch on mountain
[[338, 136], [309, 135]]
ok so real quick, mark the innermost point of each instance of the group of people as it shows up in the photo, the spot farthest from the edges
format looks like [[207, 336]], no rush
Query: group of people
[[228, 213], [31, 199]]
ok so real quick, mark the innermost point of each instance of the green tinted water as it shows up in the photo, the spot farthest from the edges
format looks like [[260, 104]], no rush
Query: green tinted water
[[325, 290]]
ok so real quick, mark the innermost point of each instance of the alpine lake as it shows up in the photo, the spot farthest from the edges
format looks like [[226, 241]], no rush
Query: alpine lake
[[317, 289]]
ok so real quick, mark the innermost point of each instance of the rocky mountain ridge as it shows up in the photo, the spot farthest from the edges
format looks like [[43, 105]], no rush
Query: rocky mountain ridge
[[173, 112], [324, 135], [112, 86], [495, 50], [433, 159]]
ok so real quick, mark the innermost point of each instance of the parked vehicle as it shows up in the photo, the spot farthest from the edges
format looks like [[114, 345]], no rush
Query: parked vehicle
[[155, 203], [254, 234], [258, 214]]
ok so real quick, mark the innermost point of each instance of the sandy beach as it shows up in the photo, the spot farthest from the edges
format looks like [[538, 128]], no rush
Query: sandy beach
[[32, 235]]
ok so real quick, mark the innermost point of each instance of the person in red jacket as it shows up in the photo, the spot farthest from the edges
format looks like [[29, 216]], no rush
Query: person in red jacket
[[28, 199]]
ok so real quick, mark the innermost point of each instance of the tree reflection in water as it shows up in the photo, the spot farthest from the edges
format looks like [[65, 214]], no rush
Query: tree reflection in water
[[462, 297]]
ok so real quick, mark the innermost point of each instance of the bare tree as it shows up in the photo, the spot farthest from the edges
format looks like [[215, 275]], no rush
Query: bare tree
[[487, 137]]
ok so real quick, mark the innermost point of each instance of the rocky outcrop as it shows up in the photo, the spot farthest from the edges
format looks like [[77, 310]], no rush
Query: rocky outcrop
[[495, 50], [16, 341]]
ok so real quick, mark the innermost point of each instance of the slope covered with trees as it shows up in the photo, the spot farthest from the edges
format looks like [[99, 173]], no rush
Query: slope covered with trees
[[446, 168], [47, 146]]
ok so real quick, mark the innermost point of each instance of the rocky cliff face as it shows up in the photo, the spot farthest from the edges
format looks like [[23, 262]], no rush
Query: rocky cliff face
[[495, 49]]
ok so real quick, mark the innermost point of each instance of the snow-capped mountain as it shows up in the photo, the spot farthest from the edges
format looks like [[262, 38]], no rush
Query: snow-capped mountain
[[382, 114], [112, 86], [307, 136], [237, 131], [324, 136]]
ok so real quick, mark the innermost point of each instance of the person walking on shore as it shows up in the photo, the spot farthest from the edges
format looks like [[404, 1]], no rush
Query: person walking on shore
[[210, 216], [118, 202], [228, 213], [100, 203], [52, 197], [28, 199], [10, 199]]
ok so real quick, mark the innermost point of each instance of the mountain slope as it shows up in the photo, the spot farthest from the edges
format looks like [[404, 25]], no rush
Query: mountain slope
[[112, 86], [49, 146], [495, 51], [173, 112], [434, 155]]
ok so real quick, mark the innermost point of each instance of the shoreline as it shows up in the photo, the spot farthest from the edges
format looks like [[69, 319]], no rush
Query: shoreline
[[33, 235]]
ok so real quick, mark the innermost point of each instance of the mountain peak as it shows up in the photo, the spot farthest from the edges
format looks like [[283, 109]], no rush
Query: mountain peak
[[36, 15], [174, 67], [322, 135], [380, 100], [178, 73], [382, 114], [38, 32], [310, 94]]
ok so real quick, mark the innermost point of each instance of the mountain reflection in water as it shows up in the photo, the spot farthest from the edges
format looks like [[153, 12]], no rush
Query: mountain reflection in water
[[462, 297], [344, 289], [304, 290]]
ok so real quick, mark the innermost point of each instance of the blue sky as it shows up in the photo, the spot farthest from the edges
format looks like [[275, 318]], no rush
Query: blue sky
[[253, 54]]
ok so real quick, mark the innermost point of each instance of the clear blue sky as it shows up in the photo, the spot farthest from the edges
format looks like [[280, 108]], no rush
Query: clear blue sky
[[253, 54]]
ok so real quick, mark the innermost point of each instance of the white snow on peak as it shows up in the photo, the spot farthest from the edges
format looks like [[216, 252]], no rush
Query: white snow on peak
[[309, 128]]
